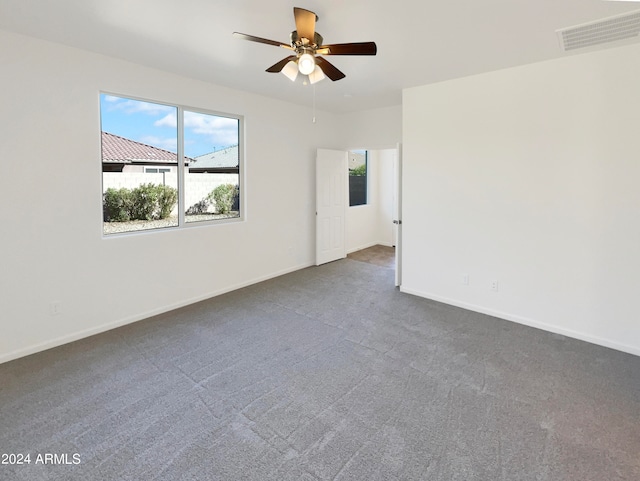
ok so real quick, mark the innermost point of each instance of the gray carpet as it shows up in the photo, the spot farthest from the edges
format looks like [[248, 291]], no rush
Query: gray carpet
[[329, 373]]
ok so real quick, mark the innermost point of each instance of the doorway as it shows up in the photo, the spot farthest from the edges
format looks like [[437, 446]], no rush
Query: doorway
[[371, 228]]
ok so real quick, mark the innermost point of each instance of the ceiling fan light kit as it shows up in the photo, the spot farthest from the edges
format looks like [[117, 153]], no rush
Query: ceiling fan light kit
[[291, 70], [316, 75], [306, 63], [308, 46]]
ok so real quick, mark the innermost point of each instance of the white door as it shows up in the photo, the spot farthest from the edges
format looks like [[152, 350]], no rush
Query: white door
[[397, 211], [331, 203]]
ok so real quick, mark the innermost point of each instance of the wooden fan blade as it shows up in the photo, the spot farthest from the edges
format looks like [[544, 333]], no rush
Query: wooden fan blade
[[329, 69], [358, 48], [275, 68], [251, 38], [305, 23]]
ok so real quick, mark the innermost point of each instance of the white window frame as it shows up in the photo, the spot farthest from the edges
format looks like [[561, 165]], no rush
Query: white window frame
[[182, 224], [367, 181]]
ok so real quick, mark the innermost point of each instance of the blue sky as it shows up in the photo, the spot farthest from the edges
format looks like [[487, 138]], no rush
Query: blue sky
[[156, 124]]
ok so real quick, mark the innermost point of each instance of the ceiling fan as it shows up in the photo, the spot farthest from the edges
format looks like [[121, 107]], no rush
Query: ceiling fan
[[307, 45]]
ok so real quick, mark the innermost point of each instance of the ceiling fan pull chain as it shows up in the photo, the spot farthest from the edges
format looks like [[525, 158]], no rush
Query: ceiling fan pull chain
[[314, 104]]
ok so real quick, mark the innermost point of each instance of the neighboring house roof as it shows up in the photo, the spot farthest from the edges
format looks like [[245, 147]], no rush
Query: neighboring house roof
[[116, 149], [226, 159]]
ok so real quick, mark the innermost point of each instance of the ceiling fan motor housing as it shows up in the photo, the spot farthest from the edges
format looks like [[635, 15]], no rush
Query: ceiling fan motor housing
[[297, 42]]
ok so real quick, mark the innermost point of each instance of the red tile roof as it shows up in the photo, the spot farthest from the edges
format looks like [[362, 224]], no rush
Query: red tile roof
[[120, 150]]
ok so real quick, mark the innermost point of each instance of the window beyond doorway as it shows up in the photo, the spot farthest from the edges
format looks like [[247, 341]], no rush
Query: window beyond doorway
[[358, 178]]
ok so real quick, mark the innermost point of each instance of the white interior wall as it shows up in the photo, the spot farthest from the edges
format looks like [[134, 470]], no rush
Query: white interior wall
[[374, 129], [384, 159], [529, 176], [51, 199]]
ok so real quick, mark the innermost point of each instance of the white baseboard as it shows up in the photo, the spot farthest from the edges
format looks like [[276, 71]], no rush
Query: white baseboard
[[59, 341], [527, 322]]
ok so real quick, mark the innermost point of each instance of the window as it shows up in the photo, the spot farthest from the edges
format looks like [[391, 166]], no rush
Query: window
[[357, 177], [145, 186]]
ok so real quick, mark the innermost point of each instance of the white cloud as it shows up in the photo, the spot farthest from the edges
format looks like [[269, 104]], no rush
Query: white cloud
[[168, 120], [167, 143], [130, 106], [208, 124], [218, 131], [224, 139]]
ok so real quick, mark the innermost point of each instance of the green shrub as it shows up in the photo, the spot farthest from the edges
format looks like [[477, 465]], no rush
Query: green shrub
[[167, 199], [117, 205], [359, 171], [145, 202], [199, 207], [223, 196]]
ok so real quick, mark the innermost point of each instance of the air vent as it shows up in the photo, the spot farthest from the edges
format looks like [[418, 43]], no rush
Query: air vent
[[606, 30]]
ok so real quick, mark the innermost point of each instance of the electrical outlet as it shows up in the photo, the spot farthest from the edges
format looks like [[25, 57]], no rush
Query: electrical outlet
[[494, 285], [55, 308], [465, 279]]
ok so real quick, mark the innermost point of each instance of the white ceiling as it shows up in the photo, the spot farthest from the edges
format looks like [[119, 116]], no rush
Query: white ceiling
[[419, 41]]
